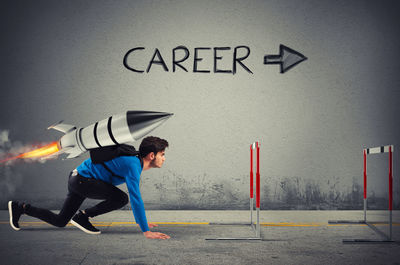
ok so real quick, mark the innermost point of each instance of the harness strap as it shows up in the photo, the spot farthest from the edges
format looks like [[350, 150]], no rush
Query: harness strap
[[115, 175], [109, 170]]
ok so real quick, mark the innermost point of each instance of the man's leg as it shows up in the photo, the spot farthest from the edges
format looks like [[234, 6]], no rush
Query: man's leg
[[71, 205], [113, 197], [99, 190]]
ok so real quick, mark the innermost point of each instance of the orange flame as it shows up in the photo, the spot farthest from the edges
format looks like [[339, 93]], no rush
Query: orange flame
[[37, 153]]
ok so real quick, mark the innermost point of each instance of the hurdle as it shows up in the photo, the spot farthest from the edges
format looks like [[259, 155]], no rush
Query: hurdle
[[385, 238], [255, 227]]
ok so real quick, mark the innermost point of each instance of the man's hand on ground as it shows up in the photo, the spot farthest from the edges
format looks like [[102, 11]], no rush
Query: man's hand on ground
[[151, 225], [155, 235]]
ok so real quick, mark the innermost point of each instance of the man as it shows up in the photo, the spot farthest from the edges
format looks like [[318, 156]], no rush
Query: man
[[98, 181]]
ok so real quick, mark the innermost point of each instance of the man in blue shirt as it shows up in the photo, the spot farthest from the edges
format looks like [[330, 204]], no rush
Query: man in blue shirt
[[99, 181]]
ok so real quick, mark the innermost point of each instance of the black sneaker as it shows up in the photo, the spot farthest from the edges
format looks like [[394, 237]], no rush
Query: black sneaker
[[81, 221], [15, 210]]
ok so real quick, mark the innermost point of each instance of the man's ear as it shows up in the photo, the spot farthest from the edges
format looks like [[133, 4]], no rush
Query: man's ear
[[151, 155]]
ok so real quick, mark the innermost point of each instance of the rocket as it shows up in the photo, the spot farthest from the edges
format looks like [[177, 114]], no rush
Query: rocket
[[123, 128]]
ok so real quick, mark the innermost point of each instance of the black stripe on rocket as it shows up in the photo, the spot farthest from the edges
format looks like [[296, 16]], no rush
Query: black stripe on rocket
[[110, 131], [80, 138], [95, 134]]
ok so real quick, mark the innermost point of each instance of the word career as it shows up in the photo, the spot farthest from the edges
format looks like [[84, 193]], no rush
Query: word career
[[183, 59]]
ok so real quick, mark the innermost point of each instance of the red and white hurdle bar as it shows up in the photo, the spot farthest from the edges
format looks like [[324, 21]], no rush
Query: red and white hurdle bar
[[386, 239], [255, 146], [256, 228]]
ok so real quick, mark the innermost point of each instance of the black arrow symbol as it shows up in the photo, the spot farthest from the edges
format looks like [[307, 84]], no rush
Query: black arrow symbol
[[287, 58]]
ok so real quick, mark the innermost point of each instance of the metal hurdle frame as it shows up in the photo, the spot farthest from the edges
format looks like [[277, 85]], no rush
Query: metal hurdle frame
[[385, 238], [255, 227]]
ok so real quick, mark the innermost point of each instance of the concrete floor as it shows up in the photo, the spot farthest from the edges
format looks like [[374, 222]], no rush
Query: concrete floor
[[289, 237]]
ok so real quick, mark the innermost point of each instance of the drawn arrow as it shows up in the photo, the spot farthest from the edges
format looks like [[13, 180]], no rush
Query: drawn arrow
[[287, 58]]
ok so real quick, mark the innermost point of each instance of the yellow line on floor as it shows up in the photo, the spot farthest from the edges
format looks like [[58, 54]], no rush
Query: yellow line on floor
[[281, 224]]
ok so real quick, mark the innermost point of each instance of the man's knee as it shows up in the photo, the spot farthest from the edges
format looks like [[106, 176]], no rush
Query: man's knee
[[121, 198], [124, 199]]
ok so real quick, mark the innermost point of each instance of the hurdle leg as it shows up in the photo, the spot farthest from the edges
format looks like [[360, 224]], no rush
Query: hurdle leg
[[251, 185], [251, 211], [390, 189], [257, 227], [258, 234], [365, 186]]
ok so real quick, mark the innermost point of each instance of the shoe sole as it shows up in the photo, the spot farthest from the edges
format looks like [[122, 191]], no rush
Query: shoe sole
[[11, 215], [84, 229]]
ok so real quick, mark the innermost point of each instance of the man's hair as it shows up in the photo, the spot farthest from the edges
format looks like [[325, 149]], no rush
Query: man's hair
[[152, 144]]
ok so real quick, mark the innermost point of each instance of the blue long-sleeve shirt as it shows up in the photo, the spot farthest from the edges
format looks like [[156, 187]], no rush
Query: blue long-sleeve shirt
[[129, 168]]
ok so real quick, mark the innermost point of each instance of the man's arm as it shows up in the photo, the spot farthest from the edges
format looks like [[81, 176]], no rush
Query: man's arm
[[132, 182]]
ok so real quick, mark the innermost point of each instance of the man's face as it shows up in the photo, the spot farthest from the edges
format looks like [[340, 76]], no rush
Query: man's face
[[158, 160]]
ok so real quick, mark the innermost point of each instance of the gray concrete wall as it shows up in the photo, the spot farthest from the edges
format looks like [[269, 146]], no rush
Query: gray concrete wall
[[64, 60]]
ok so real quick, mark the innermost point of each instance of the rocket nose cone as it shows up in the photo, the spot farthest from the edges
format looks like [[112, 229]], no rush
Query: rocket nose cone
[[140, 113], [141, 123]]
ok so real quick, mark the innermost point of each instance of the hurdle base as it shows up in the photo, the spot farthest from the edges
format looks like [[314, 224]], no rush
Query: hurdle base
[[346, 222], [367, 241], [235, 238], [230, 224], [386, 238], [253, 227], [354, 222]]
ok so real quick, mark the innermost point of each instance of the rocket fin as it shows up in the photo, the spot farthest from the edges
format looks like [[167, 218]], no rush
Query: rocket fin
[[62, 127], [73, 155]]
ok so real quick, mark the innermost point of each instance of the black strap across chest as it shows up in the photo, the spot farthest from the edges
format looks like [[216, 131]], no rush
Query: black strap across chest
[[111, 172]]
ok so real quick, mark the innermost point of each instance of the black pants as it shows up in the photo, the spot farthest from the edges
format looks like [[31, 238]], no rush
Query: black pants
[[80, 188]]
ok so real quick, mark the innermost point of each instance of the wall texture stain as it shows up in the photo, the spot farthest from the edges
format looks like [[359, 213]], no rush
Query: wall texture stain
[[203, 192], [298, 193]]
